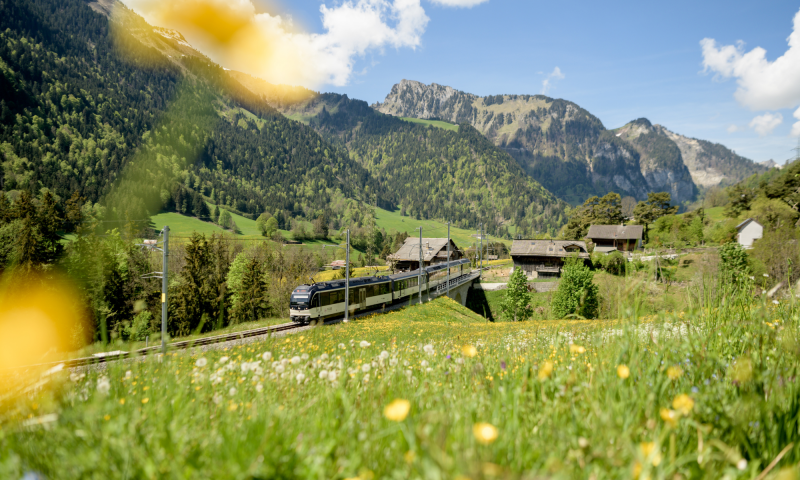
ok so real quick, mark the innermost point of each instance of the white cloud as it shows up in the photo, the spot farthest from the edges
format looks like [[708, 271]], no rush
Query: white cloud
[[735, 128], [547, 83], [763, 85], [765, 124], [459, 3], [272, 47], [796, 127]]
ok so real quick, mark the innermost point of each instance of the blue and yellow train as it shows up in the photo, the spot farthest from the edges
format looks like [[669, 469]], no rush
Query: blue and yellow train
[[325, 300]]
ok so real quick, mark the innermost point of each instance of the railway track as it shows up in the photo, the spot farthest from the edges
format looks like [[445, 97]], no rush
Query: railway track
[[181, 345]]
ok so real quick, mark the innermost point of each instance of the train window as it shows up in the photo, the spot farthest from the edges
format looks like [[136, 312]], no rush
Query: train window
[[325, 299], [385, 288]]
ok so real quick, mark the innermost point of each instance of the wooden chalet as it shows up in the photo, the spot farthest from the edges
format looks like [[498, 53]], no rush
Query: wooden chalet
[[434, 250], [608, 238], [545, 258]]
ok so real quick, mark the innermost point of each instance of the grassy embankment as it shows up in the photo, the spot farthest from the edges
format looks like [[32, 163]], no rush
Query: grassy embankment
[[679, 395], [433, 123]]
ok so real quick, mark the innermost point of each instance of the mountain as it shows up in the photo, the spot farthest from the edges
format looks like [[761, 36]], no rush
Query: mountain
[[568, 149], [453, 174], [96, 101]]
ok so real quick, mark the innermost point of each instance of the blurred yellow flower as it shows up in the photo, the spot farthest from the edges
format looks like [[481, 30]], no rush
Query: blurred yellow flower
[[683, 403], [545, 370], [122, 401], [409, 456], [648, 450], [576, 349], [674, 372], [145, 400], [485, 433], [623, 371], [670, 417], [397, 411], [469, 351], [107, 418]]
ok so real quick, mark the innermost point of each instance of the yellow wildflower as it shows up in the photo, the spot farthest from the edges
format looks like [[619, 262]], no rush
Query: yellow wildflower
[[674, 372], [409, 456], [576, 349], [670, 417], [648, 450], [145, 400], [683, 403], [485, 433], [545, 370], [122, 401], [623, 371], [397, 411], [469, 351], [107, 418]]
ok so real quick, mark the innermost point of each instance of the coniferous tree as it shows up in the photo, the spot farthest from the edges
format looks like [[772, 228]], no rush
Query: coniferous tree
[[252, 301], [576, 294], [516, 301]]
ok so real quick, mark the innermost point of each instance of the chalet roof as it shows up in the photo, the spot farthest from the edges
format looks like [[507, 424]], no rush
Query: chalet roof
[[547, 248], [615, 232], [431, 247], [745, 223]]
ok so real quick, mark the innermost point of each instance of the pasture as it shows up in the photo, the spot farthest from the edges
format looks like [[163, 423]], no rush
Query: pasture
[[435, 391]]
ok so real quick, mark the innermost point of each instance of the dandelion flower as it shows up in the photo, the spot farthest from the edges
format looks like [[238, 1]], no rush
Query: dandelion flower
[[648, 450], [128, 374], [266, 356], [384, 355], [670, 417], [741, 464], [324, 356], [545, 370], [232, 391], [428, 349], [576, 349], [342, 346], [295, 360], [397, 411], [323, 374], [409, 456], [469, 351], [300, 377], [103, 385], [259, 387], [145, 400], [304, 356], [623, 371], [424, 363], [364, 344], [223, 359], [201, 362], [332, 375], [674, 372], [393, 362], [122, 401], [217, 398], [485, 433], [365, 368], [683, 403]]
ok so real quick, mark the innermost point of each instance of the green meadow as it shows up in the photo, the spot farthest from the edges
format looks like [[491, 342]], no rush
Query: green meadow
[[432, 123]]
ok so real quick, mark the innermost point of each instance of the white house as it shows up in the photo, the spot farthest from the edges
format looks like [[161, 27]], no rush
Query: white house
[[748, 232]]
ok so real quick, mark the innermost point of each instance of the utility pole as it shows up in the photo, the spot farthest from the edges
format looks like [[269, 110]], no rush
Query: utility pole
[[419, 274], [164, 283], [480, 253], [347, 280], [448, 259]]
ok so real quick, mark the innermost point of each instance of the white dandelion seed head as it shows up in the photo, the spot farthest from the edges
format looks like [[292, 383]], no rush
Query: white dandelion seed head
[[295, 360], [375, 365], [775, 302], [201, 362], [232, 391], [384, 355], [428, 349], [342, 346], [217, 398], [266, 356], [424, 363], [323, 374], [741, 464], [459, 360], [766, 275], [304, 356], [332, 376], [366, 378], [285, 375], [223, 359], [365, 368], [364, 344], [300, 377], [128, 374], [279, 368], [752, 277], [405, 363], [259, 387], [324, 356], [103, 385], [393, 362], [409, 373], [258, 371], [273, 376], [428, 369], [351, 371]]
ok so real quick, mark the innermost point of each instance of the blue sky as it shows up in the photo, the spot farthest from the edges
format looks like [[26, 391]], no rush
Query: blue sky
[[619, 61]]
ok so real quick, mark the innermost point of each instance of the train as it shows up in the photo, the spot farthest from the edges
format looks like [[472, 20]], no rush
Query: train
[[322, 301]]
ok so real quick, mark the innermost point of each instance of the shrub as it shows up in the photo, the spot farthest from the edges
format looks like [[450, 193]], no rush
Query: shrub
[[576, 294], [140, 326], [614, 263], [516, 301]]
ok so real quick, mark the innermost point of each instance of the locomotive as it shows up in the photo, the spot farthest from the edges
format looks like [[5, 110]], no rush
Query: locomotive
[[325, 300]]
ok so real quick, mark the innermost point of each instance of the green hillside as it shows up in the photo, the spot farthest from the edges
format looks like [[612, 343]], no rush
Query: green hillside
[[433, 123]]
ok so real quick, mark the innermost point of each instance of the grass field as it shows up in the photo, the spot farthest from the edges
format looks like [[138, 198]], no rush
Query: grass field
[[430, 228], [432, 123], [434, 391]]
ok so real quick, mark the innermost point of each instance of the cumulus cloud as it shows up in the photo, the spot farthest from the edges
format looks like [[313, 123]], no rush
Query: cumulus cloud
[[765, 124], [459, 3], [547, 83], [270, 46], [796, 127], [763, 85]]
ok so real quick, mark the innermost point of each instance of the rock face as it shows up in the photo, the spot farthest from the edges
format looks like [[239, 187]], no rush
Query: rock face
[[569, 151]]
